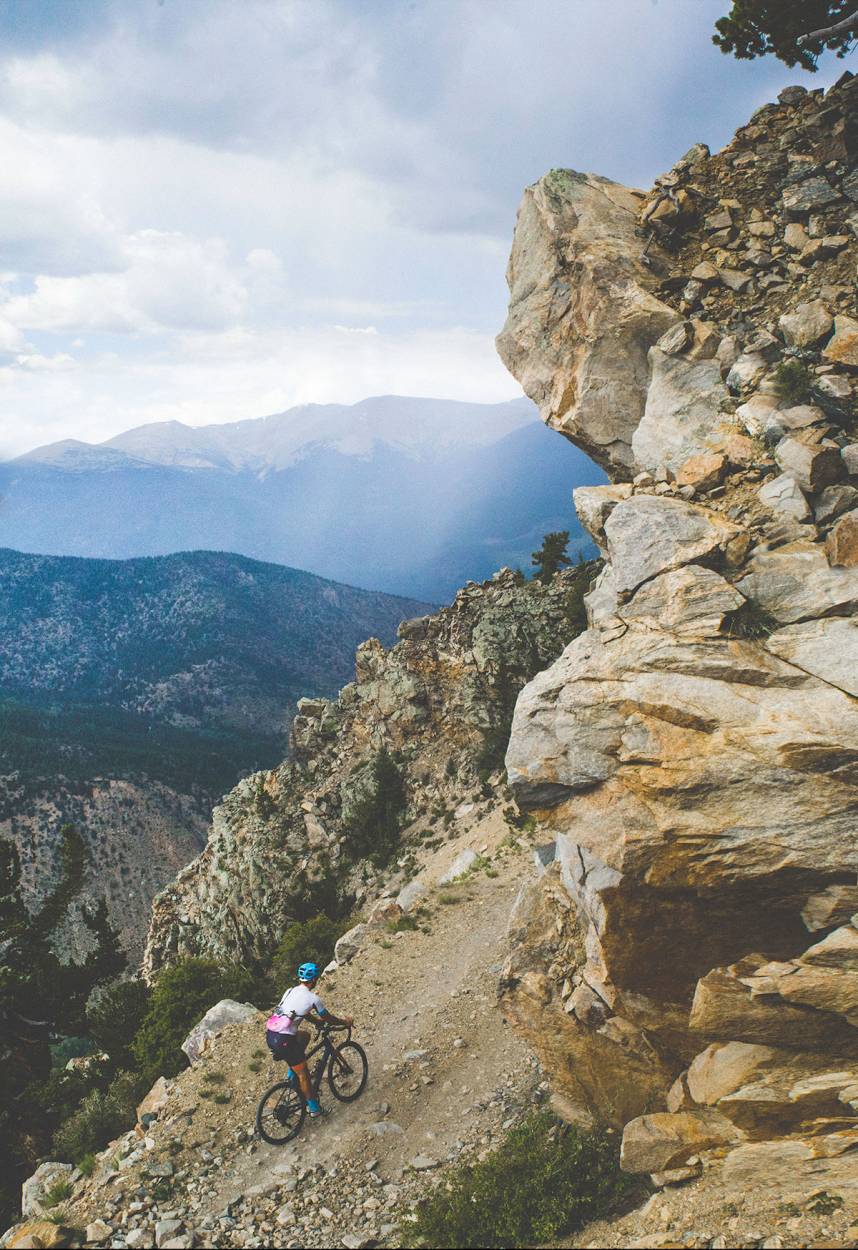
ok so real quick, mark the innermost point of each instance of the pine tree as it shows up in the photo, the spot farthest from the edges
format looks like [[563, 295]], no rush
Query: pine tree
[[795, 31], [35, 985], [551, 556]]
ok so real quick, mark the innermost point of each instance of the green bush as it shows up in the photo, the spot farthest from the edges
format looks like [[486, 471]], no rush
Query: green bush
[[102, 1115], [545, 1182], [54, 1099], [181, 997], [312, 940], [793, 382], [69, 1048], [115, 1015]]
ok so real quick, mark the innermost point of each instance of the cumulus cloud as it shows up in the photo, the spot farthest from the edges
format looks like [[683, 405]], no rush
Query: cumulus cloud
[[217, 209]]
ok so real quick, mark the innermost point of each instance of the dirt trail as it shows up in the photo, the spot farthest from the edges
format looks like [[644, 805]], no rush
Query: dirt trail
[[448, 1077]]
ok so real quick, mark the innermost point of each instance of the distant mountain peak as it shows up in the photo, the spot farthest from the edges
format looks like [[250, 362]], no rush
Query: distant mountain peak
[[420, 428]]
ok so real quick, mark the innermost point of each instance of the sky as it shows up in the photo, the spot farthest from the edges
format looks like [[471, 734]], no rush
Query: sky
[[217, 209]]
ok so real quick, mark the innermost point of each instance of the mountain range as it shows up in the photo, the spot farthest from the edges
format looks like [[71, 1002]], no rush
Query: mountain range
[[412, 496], [134, 693]]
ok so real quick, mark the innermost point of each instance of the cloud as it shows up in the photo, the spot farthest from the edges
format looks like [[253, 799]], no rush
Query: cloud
[[50, 364], [240, 373], [219, 209]]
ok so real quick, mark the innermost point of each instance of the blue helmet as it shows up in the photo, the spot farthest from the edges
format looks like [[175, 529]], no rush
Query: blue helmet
[[308, 972]]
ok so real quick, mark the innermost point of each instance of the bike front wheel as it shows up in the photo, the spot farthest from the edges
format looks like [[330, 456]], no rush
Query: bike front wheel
[[280, 1114], [348, 1072]]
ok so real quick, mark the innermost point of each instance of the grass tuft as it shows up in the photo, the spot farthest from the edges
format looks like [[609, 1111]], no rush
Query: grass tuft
[[404, 924], [60, 1192], [749, 621]]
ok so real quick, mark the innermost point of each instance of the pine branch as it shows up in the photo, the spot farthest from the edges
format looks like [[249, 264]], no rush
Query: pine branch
[[829, 32]]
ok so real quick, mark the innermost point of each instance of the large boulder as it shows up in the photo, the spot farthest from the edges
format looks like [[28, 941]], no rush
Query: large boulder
[[582, 316], [37, 1188], [594, 504], [693, 755], [683, 412], [796, 583], [683, 771], [464, 861], [658, 1142], [44, 1235], [222, 1016], [154, 1102], [350, 943], [648, 535], [843, 346]]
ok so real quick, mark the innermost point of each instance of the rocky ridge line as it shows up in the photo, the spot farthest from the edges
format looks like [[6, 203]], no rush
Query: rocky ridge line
[[694, 752]]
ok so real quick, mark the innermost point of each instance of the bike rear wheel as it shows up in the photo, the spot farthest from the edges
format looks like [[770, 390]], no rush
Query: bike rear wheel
[[280, 1114], [348, 1072]]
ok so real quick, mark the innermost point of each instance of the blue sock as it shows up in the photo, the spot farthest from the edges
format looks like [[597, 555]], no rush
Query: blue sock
[[313, 1106]]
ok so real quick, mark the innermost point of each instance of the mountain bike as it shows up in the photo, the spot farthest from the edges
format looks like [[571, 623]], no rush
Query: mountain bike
[[282, 1109]]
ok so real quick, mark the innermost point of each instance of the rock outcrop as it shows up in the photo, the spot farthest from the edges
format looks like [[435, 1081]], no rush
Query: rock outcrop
[[439, 701], [694, 753]]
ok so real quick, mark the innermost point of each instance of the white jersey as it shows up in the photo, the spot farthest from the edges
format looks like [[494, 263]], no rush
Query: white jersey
[[295, 1005]]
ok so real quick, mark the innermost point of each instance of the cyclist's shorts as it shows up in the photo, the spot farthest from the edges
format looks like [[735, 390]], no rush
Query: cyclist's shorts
[[289, 1046]]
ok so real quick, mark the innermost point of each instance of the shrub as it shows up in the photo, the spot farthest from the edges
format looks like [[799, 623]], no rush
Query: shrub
[[793, 382], [310, 940], [102, 1115], [56, 1098], [182, 995], [545, 1182], [114, 1016]]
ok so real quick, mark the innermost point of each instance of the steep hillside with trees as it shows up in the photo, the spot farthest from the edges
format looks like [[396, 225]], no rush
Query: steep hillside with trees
[[133, 694]]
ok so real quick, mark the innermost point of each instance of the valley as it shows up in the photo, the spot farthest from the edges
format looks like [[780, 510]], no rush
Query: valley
[[408, 496], [133, 694]]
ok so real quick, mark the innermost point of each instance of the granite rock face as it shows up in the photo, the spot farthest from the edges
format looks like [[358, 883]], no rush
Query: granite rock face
[[435, 700], [582, 317], [694, 753]]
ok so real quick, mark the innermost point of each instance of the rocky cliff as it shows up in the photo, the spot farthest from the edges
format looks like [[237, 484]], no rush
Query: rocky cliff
[[284, 843], [690, 969]]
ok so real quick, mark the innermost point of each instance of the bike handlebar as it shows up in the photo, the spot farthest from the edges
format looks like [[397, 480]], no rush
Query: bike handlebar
[[325, 1028]]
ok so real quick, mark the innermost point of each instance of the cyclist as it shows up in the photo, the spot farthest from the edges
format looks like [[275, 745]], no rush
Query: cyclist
[[282, 1033]]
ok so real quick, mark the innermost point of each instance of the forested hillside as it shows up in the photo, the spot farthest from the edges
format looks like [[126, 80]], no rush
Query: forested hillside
[[134, 693]]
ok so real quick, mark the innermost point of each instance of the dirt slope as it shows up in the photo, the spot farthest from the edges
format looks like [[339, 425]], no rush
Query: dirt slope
[[447, 1077]]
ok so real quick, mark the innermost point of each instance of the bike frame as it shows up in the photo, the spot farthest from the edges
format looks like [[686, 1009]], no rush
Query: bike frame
[[324, 1043]]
